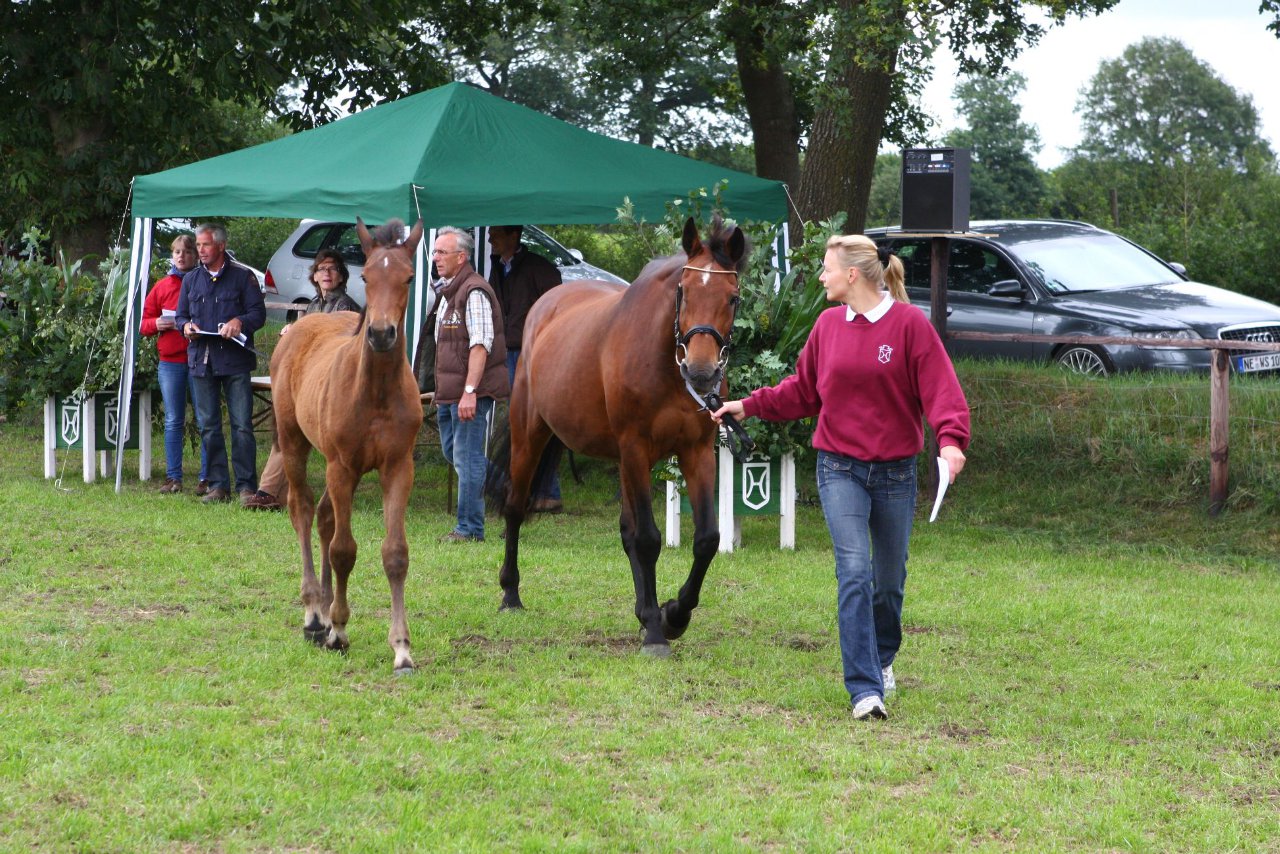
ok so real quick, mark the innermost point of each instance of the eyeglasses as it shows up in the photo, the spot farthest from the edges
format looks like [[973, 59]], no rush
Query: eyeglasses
[[333, 270], [438, 252]]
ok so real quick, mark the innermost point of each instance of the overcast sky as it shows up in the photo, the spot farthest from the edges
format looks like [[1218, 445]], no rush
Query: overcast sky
[[1230, 36]]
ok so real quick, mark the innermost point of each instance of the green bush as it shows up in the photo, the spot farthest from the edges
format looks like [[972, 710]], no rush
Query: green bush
[[613, 248], [61, 328]]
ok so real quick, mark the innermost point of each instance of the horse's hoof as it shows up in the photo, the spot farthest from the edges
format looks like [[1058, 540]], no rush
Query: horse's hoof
[[316, 634], [672, 629], [656, 650], [405, 671], [337, 645], [511, 606]]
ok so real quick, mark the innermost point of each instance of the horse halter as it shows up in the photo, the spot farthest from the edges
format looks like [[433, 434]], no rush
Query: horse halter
[[682, 341]]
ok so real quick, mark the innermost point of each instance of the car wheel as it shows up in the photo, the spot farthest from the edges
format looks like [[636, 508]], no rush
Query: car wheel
[[292, 316], [1091, 361]]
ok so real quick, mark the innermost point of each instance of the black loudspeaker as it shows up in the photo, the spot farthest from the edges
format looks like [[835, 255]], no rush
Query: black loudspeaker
[[935, 189]]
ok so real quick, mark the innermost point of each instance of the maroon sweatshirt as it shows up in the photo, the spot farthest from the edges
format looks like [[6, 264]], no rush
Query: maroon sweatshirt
[[869, 382]]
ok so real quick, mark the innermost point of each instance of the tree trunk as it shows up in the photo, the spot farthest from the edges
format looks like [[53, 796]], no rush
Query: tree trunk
[[845, 137], [771, 103]]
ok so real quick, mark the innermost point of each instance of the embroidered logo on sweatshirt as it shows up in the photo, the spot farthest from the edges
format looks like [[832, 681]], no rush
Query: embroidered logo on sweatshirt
[[885, 353]]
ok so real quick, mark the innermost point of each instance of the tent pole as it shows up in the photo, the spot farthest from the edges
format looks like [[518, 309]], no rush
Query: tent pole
[[139, 262]]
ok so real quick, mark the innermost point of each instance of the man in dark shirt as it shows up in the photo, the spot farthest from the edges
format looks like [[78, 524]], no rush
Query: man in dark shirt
[[519, 277], [219, 309]]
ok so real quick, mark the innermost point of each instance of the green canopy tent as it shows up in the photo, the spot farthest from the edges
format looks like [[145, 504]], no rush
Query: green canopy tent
[[451, 156]]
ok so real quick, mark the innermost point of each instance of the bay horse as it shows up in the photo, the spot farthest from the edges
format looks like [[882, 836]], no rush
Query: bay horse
[[608, 370], [341, 383]]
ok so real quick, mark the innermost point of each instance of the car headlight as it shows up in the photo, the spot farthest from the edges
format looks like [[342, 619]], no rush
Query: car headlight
[[1166, 333]]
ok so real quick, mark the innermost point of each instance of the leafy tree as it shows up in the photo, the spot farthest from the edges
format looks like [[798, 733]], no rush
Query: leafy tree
[[1159, 103], [1190, 193], [94, 93], [837, 75], [1005, 181], [876, 52], [884, 207]]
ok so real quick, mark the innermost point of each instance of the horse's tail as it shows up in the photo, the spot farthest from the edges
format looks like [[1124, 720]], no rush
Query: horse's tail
[[497, 480]]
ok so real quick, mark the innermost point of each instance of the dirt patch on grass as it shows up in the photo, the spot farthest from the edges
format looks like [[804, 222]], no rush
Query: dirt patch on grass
[[963, 734], [591, 640], [105, 613], [803, 643]]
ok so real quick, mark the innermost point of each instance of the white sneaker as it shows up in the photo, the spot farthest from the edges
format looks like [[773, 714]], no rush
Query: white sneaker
[[886, 677], [870, 707]]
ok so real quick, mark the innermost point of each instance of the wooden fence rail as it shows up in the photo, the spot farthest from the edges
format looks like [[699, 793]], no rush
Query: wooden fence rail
[[1219, 377]]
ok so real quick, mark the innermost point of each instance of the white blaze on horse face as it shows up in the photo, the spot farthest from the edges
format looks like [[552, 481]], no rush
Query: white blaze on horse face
[[706, 277], [386, 262]]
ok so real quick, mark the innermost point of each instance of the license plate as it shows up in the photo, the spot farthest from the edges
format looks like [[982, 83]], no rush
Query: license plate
[[1260, 362]]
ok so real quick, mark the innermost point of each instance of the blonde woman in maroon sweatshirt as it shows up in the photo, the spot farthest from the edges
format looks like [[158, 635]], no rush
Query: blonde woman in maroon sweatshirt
[[872, 368]]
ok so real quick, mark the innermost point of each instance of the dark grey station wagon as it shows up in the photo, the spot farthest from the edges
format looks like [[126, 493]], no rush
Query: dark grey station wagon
[[1049, 277]]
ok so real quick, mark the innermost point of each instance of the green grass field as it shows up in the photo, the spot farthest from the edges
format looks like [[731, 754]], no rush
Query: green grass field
[[1085, 669]]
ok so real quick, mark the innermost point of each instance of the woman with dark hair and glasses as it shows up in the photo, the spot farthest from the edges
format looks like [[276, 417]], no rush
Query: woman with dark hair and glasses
[[871, 370], [329, 275]]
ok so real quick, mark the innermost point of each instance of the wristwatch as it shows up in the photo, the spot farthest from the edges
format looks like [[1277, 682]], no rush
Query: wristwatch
[[468, 389]]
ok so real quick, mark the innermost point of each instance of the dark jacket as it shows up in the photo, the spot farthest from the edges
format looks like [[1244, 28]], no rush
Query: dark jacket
[[341, 301], [531, 276], [207, 302], [453, 346]]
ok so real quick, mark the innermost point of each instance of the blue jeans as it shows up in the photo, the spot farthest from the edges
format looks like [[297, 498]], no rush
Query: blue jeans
[[869, 509], [209, 392], [464, 444], [546, 480], [173, 390]]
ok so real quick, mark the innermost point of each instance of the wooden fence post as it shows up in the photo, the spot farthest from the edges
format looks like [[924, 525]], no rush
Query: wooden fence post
[[1219, 430]]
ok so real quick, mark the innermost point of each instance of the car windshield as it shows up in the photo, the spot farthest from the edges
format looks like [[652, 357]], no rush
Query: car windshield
[[1091, 262]]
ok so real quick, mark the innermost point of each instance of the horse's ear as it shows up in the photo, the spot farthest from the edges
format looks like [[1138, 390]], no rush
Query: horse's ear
[[366, 239], [411, 242], [737, 245], [692, 244]]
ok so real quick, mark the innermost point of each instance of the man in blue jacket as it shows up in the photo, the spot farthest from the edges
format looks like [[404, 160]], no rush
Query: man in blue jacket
[[219, 309]]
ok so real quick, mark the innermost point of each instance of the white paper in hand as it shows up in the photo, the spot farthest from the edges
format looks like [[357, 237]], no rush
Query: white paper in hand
[[944, 480]]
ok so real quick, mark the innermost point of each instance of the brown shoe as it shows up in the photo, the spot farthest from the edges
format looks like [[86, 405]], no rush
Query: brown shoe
[[202, 487], [547, 505], [215, 495], [171, 486], [262, 501], [455, 537]]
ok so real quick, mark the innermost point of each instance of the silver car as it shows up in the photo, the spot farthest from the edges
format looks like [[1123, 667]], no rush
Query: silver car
[[288, 280], [1051, 277]]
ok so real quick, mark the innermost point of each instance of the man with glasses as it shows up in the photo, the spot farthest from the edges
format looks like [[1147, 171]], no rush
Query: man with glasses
[[219, 309], [470, 373]]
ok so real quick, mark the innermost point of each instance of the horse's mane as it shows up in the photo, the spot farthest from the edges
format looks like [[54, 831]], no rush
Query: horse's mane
[[718, 239], [716, 242], [390, 233], [386, 236]]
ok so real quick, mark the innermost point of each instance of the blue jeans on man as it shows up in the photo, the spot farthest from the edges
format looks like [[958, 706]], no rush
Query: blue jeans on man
[[209, 392], [546, 479], [869, 508], [464, 444]]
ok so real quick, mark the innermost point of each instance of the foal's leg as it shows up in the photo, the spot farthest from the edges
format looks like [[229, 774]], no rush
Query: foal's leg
[[341, 484], [642, 542], [301, 512], [698, 468], [397, 482], [324, 527]]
